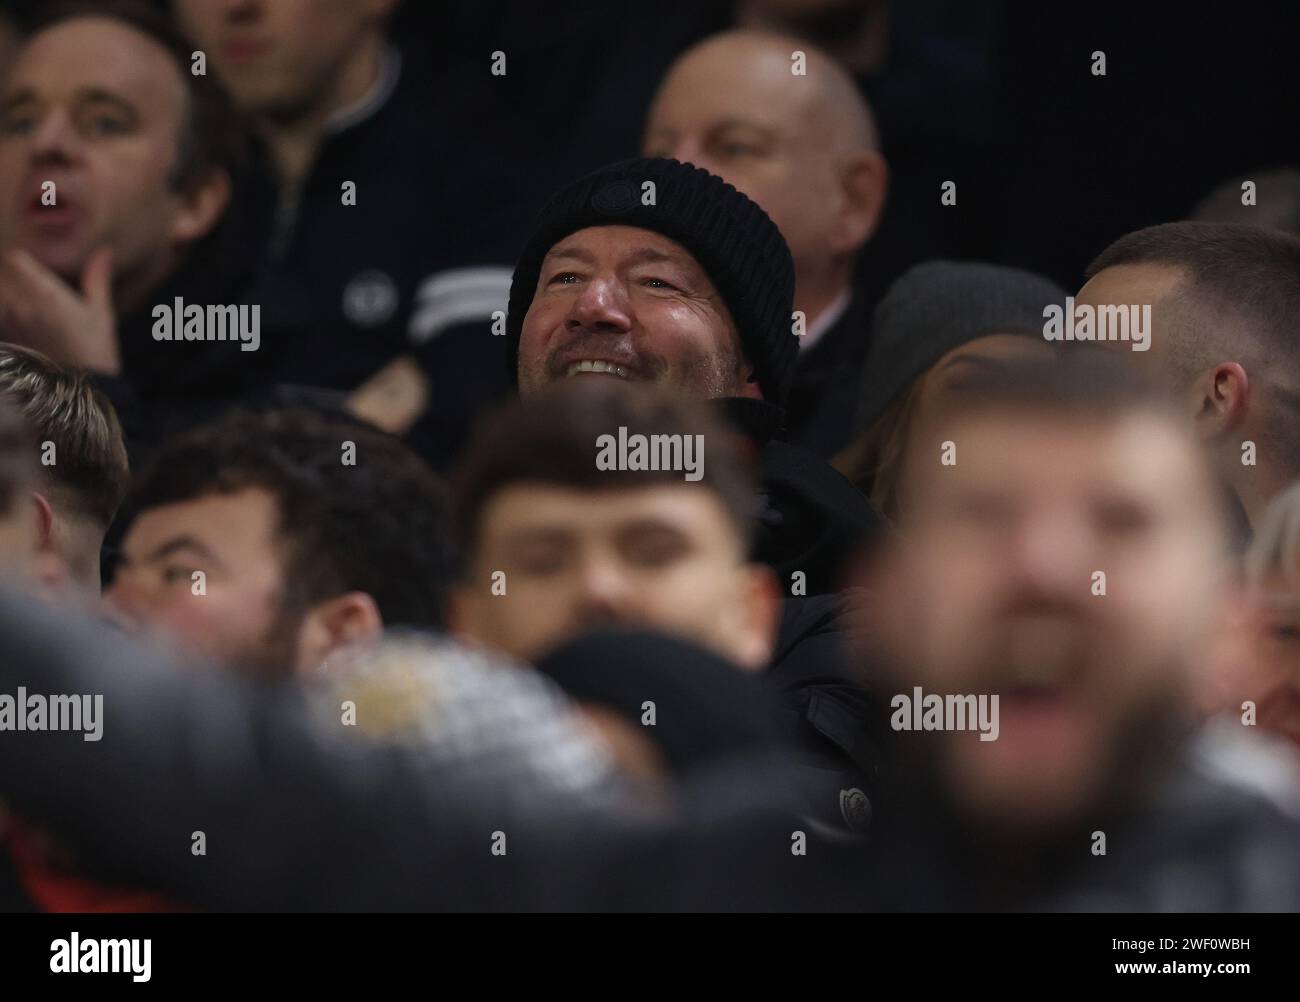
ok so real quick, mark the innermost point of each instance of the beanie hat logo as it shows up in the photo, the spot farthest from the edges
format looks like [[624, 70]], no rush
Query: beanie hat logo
[[615, 198]]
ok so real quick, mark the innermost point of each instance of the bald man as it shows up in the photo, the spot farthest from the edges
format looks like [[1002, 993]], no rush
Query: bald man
[[787, 126]]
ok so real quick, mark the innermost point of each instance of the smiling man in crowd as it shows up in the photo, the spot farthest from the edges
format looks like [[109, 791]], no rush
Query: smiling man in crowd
[[656, 271]]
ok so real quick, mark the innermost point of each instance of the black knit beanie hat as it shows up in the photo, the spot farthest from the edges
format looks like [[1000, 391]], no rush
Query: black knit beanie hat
[[938, 306], [734, 241]]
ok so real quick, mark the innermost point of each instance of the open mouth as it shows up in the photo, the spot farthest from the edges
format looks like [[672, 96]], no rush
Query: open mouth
[[592, 365], [63, 213]]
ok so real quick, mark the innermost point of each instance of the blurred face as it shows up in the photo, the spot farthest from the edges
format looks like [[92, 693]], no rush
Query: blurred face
[[1275, 656], [665, 557], [235, 617], [96, 107], [992, 590], [278, 57], [945, 384], [617, 302], [734, 108]]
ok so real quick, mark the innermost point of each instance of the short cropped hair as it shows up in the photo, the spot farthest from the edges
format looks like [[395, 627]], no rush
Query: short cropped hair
[[1240, 302], [88, 461], [358, 510], [1240, 270], [551, 439], [17, 467]]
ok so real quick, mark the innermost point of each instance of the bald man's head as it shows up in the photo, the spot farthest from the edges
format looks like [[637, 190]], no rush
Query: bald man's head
[[787, 126]]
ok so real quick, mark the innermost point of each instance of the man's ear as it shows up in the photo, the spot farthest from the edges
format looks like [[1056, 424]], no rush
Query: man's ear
[[1219, 398], [202, 208], [864, 183], [329, 626], [49, 568], [44, 521]]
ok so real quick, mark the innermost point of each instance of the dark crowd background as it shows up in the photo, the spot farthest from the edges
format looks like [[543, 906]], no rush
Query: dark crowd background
[[1057, 164]]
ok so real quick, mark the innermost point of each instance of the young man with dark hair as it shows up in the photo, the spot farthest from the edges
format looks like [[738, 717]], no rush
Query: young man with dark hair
[[561, 538], [559, 541], [1224, 304], [269, 541], [83, 465]]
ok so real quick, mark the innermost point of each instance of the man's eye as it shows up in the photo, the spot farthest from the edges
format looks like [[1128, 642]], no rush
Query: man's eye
[[1286, 631], [540, 562], [563, 278], [659, 283], [732, 150], [102, 125], [176, 575], [17, 125], [655, 552]]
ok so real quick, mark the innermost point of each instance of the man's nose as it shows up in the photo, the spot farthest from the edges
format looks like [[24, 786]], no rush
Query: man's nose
[[243, 11], [603, 589], [1050, 553], [54, 139], [602, 306], [687, 150]]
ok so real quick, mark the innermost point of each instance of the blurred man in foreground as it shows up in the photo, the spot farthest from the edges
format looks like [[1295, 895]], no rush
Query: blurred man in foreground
[[1048, 619], [565, 534], [559, 542]]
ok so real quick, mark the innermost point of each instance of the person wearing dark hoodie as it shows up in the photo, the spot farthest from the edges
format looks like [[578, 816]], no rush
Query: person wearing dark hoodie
[[651, 270]]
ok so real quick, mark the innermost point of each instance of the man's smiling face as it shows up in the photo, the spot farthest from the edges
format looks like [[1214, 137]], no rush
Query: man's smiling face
[[618, 302]]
